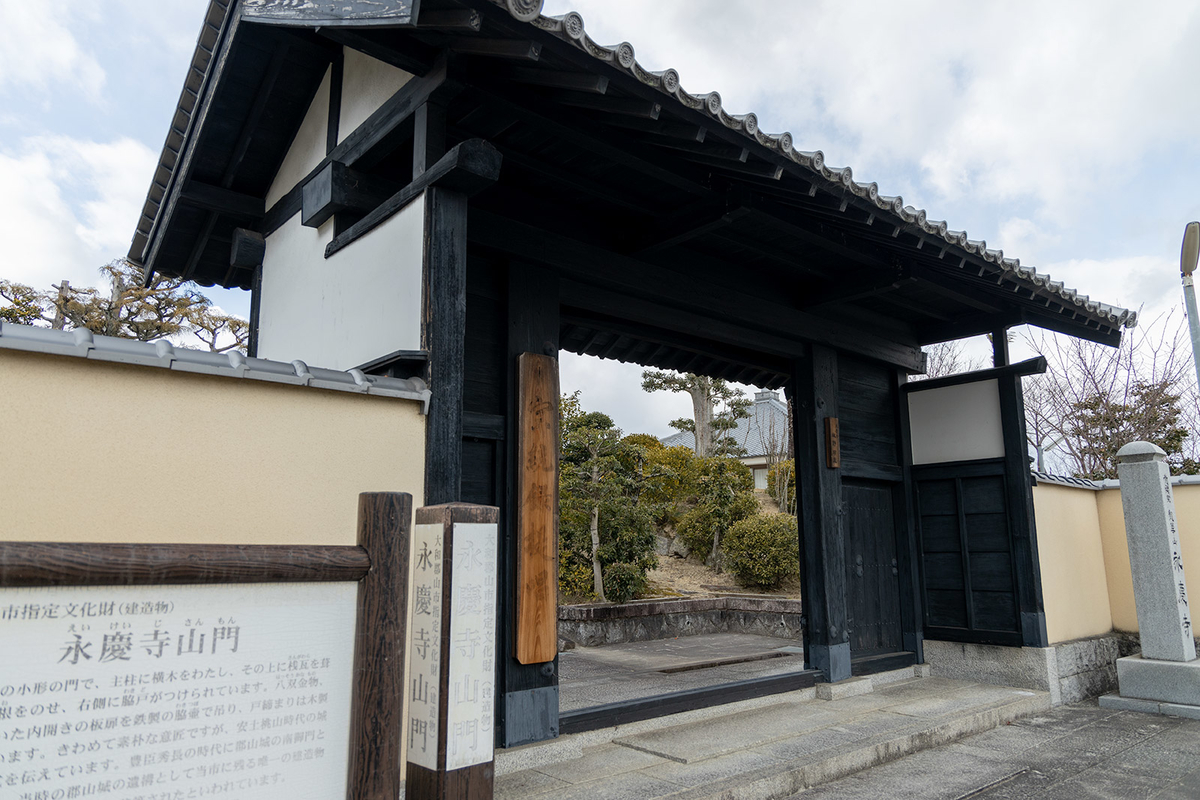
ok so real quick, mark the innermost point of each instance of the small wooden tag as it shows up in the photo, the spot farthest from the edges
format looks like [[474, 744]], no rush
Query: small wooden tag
[[833, 443]]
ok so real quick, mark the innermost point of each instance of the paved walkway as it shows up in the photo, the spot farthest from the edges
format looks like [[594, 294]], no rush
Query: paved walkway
[[770, 747], [1078, 751], [590, 676]]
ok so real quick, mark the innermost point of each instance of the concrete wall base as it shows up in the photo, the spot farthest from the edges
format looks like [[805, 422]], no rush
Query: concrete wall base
[[1069, 672]]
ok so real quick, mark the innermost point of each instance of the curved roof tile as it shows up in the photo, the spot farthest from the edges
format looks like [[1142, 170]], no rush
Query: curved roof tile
[[570, 28]]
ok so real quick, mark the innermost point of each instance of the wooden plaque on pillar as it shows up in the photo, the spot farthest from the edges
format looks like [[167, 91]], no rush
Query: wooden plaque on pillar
[[536, 628]]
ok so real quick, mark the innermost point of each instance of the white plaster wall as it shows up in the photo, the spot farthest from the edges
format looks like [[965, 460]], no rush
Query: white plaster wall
[[308, 148], [366, 83], [956, 423], [362, 303]]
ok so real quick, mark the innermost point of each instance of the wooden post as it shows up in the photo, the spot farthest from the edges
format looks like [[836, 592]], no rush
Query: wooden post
[[384, 522], [1000, 357], [819, 513], [1018, 484], [443, 333], [529, 709], [451, 683]]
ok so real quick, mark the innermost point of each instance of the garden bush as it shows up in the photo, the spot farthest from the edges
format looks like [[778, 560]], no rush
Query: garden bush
[[623, 582], [763, 549]]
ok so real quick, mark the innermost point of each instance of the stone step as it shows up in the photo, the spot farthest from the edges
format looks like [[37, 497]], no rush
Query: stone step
[[780, 746]]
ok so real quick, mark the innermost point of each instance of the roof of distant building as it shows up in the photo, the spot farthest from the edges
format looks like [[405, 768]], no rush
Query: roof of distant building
[[767, 423]]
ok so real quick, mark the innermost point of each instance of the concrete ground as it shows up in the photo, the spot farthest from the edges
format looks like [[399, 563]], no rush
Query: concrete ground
[[770, 747], [1076, 751], [590, 676]]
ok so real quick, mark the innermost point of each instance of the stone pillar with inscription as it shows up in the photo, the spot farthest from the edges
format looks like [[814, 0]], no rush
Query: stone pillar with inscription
[[1165, 677], [450, 687]]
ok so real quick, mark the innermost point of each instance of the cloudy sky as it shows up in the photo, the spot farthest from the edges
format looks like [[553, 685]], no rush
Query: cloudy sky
[[1063, 133]]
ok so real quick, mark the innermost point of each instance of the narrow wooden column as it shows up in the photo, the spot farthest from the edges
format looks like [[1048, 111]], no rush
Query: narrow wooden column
[[443, 333], [529, 710], [451, 682], [1018, 484], [384, 524], [819, 500], [908, 544]]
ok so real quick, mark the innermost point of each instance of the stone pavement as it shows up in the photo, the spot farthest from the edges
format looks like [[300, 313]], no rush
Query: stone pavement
[[770, 747], [1076, 751], [590, 676]]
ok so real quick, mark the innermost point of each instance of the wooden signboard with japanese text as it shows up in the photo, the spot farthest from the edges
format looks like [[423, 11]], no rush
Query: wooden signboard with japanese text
[[135, 671]]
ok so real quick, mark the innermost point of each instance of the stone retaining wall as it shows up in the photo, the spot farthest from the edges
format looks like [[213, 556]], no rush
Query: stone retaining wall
[[610, 623]]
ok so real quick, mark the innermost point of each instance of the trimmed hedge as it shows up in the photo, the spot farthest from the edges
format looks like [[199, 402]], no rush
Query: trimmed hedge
[[763, 549]]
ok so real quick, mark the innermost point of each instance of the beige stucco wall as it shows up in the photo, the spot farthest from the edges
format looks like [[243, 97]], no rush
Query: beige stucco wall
[[102, 452], [1086, 581], [1072, 557], [1116, 550]]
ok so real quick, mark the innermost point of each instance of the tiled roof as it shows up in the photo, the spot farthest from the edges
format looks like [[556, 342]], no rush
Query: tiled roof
[[767, 420], [164, 355], [570, 28]]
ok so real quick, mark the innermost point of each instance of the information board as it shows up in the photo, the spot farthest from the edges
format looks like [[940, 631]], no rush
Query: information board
[[139, 692]]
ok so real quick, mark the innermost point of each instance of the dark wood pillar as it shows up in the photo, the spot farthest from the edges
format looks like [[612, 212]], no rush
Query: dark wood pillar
[[443, 333], [528, 709], [908, 547], [1019, 489], [819, 512], [1000, 357]]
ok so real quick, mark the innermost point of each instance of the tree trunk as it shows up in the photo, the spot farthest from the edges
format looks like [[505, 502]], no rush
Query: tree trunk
[[702, 410], [597, 573]]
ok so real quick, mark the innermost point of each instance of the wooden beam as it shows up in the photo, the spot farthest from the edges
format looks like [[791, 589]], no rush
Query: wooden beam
[[668, 128], [627, 106], [519, 49], [559, 79], [200, 245], [443, 333], [336, 74], [261, 98], [410, 56], [1000, 357], [377, 132], [590, 187], [467, 169], [640, 279], [686, 227], [853, 289], [247, 248], [819, 500], [98, 564], [338, 188], [429, 136], [715, 150], [223, 201], [450, 19]]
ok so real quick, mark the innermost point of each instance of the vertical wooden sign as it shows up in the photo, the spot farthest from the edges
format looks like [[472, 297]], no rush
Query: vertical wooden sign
[[833, 443], [536, 628], [452, 641]]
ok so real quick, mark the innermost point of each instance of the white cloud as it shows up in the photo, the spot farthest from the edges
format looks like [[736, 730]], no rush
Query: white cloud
[[1000, 102], [38, 49], [69, 206]]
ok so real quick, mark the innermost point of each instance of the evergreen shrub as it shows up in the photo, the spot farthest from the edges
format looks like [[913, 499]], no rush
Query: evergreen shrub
[[763, 549]]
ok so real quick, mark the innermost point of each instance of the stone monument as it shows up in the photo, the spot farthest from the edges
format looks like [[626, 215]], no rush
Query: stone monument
[[1165, 677]]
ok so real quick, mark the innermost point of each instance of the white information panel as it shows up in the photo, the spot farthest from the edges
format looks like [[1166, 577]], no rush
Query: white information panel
[[470, 706], [425, 646], [149, 692]]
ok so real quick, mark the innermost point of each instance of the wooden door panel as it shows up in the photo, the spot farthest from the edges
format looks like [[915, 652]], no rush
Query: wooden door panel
[[872, 573]]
